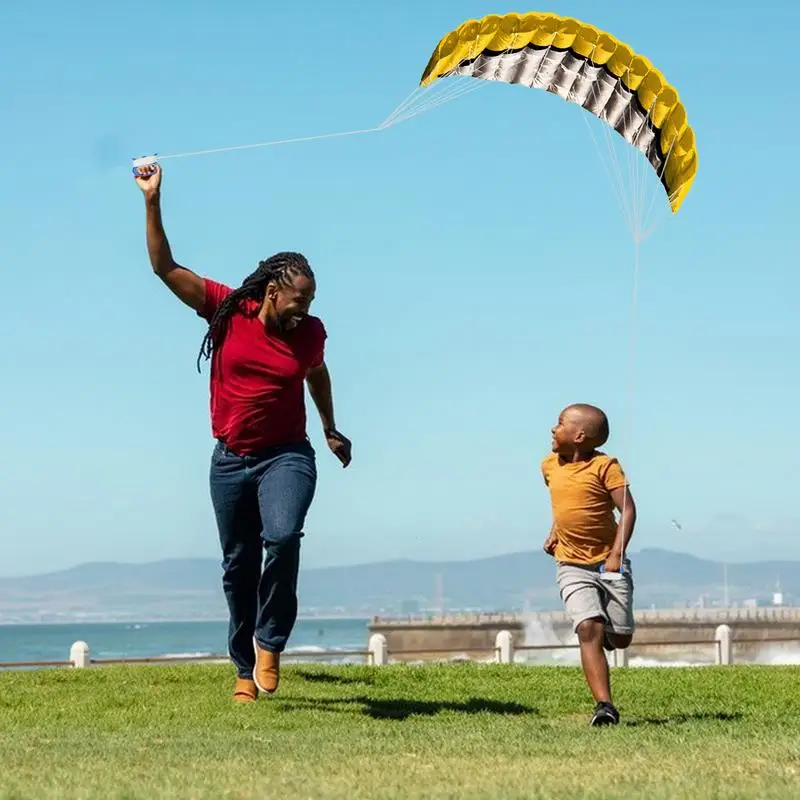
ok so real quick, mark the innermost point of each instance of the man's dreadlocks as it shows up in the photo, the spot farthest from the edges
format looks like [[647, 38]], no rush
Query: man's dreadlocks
[[282, 268]]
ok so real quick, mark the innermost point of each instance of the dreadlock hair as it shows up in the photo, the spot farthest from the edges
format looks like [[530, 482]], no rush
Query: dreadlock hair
[[281, 268]]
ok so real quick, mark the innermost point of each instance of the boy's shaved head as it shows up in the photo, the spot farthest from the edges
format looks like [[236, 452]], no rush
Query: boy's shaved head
[[581, 429], [592, 420]]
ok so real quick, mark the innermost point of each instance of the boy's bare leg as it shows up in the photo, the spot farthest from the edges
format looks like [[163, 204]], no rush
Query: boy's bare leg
[[593, 637], [591, 633]]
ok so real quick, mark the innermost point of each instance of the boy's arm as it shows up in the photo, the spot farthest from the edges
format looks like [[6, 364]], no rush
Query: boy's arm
[[623, 500], [551, 541]]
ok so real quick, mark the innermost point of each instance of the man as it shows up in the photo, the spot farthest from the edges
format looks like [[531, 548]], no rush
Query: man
[[264, 346]]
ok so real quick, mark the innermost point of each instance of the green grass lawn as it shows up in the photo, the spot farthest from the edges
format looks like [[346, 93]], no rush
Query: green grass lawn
[[407, 731]]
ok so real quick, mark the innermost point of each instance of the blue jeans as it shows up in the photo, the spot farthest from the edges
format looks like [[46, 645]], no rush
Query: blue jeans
[[261, 503]]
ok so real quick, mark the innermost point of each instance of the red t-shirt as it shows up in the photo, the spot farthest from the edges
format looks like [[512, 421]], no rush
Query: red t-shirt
[[257, 378]]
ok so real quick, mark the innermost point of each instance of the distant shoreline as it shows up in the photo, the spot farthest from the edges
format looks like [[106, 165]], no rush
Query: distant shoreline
[[171, 621]]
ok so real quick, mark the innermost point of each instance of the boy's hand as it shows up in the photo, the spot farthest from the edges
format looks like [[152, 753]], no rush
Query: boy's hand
[[550, 544], [613, 562]]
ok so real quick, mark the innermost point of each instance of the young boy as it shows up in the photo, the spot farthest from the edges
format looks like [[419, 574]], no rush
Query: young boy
[[593, 574]]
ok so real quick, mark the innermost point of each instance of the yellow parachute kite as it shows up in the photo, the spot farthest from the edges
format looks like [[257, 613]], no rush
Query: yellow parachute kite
[[583, 65]]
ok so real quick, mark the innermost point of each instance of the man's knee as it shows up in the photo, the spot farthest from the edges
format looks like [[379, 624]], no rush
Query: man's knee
[[281, 536], [590, 630]]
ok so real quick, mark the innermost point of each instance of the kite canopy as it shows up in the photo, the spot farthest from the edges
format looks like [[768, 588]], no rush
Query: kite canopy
[[582, 65]]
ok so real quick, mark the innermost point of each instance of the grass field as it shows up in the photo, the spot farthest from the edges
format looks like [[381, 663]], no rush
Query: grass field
[[434, 731]]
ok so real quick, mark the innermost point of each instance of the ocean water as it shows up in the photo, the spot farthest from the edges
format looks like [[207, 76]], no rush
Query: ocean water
[[147, 639], [311, 636]]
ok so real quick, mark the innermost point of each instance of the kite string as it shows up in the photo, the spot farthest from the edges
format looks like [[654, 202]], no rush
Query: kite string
[[629, 435], [616, 180], [649, 230], [631, 204], [433, 101], [414, 104], [438, 92], [406, 110], [409, 107], [269, 143], [409, 100]]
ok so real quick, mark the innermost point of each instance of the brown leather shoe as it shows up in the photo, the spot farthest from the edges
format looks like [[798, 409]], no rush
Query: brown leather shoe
[[245, 691], [266, 671]]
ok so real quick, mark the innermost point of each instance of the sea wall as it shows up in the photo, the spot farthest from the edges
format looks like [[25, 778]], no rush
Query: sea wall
[[451, 636], [665, 634]]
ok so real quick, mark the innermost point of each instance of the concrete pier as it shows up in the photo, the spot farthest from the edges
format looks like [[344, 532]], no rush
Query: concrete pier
[[662, 635]]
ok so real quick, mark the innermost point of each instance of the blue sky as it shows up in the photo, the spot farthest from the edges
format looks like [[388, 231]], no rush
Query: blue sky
[[473, 270]]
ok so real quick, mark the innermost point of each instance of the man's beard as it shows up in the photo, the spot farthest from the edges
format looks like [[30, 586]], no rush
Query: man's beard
[[289, 321]]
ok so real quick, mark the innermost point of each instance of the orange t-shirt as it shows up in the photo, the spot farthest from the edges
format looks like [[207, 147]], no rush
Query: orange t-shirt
[[583, 511]]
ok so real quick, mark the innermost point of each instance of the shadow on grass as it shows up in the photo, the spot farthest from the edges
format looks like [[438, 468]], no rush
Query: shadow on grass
[[400, 709], [324, 677], [684, 719]]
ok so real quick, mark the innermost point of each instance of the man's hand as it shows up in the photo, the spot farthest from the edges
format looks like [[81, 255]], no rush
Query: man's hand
[[319, 385], [550, 544], [149, 179], [340, 446]]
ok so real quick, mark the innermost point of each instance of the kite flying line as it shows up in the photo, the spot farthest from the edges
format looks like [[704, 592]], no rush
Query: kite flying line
[[418, 101]]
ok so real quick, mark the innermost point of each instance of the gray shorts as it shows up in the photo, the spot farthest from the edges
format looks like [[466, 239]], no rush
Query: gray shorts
[[587, 596]]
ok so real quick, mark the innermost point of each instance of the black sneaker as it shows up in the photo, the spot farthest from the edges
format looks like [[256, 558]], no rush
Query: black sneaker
[[604, 714]]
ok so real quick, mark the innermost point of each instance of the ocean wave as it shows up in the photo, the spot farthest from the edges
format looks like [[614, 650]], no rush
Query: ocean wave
[[313, 648], [188, 655], [777, 655], [638, 661]]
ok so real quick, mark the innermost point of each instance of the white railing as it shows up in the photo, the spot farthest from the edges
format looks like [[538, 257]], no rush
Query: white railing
[[378, 654], [505, 649]]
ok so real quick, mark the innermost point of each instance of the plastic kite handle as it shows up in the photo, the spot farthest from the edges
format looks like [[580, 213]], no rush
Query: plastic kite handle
[[144, 161], [612, 576]]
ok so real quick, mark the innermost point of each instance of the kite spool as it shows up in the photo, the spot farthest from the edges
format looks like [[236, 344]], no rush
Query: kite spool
[[144, 161]]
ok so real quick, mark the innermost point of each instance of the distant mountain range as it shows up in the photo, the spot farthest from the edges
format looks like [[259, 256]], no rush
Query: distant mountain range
[[190, 588]]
